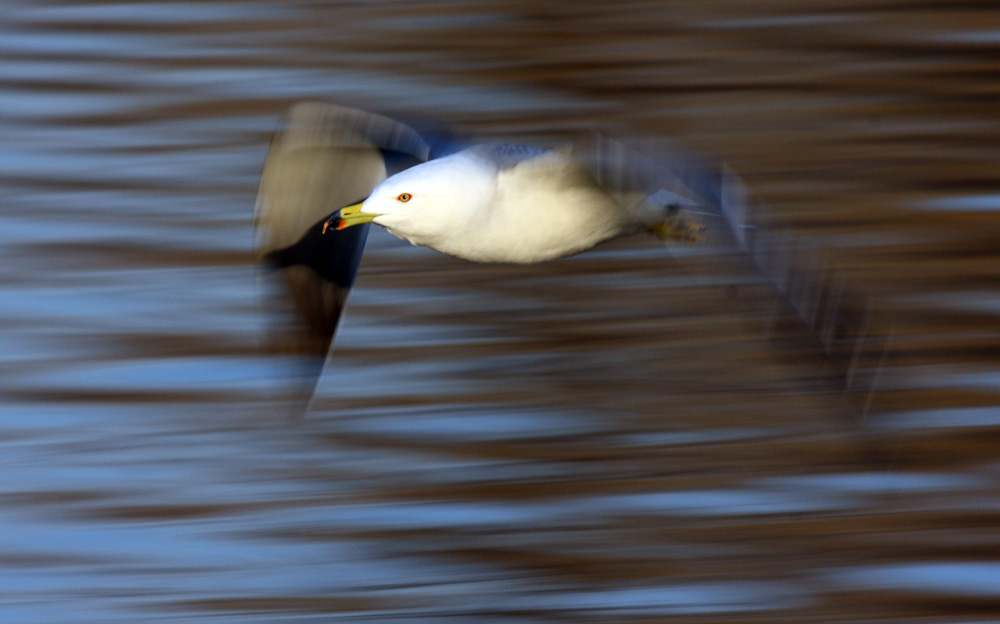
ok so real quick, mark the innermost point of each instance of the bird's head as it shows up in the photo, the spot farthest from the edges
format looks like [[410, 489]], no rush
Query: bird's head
[[423, 203]]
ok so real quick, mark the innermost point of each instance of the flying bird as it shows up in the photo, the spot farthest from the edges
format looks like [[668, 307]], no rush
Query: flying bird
[[332, 171]]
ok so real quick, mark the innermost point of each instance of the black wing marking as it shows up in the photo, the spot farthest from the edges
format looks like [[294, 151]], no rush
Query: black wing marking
[[323, 158]]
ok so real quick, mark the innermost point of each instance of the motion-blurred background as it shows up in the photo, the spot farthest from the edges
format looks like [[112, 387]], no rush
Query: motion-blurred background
[[614, 437]]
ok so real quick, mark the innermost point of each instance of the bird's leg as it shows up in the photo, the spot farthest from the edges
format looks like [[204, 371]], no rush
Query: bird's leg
[[679, 225]]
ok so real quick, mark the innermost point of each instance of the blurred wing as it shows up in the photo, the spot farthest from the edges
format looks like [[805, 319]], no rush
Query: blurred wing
[[323, 158], [838, 324]]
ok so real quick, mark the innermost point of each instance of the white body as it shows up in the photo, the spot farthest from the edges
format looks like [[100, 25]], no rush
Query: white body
[[469, 205]]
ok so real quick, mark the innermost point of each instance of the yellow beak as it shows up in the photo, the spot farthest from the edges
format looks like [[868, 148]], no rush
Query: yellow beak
[[347, 217]]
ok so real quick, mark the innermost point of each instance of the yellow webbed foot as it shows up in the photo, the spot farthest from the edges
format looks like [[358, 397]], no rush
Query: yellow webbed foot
[[680, 225]]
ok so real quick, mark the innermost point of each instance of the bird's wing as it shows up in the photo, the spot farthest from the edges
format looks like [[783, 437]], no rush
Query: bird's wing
[[323, 157], [837, 323]]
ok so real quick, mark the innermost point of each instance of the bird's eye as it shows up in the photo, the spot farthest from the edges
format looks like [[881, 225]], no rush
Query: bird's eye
[[404, 197]]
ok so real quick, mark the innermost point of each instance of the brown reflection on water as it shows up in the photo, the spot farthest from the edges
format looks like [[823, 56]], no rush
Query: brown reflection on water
[[616, 436]]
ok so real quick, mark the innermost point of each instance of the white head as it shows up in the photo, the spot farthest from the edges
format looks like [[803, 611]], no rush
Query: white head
[[429, 202]]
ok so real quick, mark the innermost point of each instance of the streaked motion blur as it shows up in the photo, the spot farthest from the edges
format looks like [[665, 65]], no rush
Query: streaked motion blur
[[632, 434]]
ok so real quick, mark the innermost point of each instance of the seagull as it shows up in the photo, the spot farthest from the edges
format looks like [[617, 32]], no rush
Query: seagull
[[503, 203], [332, 171]]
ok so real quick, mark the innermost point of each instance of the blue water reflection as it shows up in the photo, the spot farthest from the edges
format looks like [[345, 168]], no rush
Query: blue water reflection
[[621, 436]]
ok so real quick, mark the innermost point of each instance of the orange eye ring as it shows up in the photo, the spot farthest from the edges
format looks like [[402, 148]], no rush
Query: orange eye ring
[[404, 197]]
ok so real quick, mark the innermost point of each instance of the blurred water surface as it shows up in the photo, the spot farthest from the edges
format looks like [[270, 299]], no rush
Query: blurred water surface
[[613, 437]]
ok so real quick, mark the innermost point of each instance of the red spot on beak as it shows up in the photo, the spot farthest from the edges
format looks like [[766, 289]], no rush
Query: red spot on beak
[[337, 223]]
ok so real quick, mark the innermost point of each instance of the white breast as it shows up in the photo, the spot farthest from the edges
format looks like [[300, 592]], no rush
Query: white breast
[[544, 208]]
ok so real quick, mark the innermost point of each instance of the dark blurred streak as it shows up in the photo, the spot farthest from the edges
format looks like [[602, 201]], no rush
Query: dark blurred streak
[[634, 434]]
